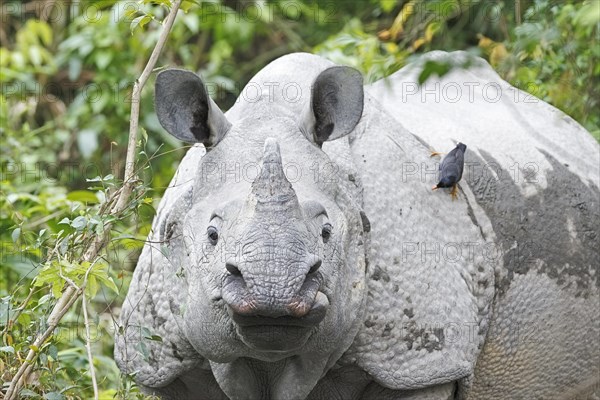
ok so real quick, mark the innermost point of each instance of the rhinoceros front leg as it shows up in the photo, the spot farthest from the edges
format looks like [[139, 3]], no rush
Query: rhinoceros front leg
[[197, 384], [351, 383], [175, 390], [375, 391], [341, 383]]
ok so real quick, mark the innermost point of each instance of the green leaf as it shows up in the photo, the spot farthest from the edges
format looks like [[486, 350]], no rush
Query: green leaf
[[109, 283], [15, 235], [140, 21], [24, 319], [44, 299], [144, 135], [35, 55], [79, 223], [83, 196], [96, 221], [53, 352], [99, 228], [387, 5], [28, 393], [103, 59], [186, 5], [63, 246], [48, 274], [143, 349], [589, 14], [54, 396], [44, 31], [433, 68], [146, 331], [57, 289], [7, 349], [92, 286]]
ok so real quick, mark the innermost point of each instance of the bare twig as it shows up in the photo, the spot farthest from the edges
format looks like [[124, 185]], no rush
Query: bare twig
[[88, 344], [86, 320], [41, 221], [72, 293], [129, 178]]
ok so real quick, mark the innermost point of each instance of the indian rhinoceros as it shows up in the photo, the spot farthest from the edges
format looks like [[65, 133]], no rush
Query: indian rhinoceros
[[300, 252]]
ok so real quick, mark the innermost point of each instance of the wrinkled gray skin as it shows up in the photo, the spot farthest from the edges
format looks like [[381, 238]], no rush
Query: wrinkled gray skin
[[304, 254]]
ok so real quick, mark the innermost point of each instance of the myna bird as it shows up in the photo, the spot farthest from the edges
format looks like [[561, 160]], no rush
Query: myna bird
[[451, 169]]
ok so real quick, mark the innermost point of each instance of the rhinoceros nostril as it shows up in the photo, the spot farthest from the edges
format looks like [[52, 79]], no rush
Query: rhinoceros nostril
[[315, 267], [233, 269]]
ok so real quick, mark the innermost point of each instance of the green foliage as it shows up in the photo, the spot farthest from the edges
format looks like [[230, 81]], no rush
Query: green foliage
[[354, 47], [64, 118], [550, 55], [64, 123]]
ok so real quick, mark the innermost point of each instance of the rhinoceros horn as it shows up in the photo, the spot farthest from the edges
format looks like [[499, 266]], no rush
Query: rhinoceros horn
[[271, 190]]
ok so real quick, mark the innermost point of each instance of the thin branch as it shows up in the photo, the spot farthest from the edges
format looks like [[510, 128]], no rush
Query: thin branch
[[40, 221], [71, 293], [88, 345], [86, 320], [129, 177]]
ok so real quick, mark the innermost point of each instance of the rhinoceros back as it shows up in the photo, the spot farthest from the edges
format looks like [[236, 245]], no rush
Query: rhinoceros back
[[533, 172]]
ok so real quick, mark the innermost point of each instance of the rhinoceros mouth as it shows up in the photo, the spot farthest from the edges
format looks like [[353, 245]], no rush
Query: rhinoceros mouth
[[312, 318], [282, 334], [308, 304]]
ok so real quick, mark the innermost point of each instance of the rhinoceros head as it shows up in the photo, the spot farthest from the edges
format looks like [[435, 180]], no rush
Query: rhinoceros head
[[269, 242]]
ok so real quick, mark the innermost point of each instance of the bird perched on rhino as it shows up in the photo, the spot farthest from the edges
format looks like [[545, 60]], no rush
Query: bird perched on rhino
[[451, 169]]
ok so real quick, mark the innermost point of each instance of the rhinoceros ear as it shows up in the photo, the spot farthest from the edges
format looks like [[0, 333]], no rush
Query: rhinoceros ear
[[336, 104], [186, 111]]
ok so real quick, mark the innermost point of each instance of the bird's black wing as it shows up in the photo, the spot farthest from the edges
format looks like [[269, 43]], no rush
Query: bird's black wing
[[452, 166], [460, 162]]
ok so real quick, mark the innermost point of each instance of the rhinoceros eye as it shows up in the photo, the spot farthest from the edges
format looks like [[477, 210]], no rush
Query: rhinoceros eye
[[213, 235], [326, 232]]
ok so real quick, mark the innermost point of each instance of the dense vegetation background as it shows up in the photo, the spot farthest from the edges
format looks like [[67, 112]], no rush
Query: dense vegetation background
[[66, 72]]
